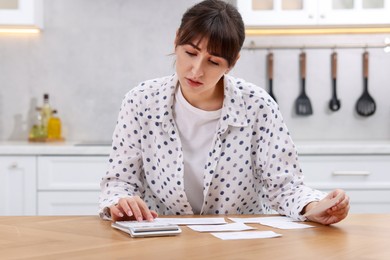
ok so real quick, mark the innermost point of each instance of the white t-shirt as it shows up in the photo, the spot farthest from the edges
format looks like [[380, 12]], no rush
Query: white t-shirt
[[196, 129]]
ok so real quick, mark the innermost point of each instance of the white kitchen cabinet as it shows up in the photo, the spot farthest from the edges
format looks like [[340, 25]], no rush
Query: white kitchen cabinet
[[21, 13], [68, 203], [298, 13], [69, 185], [17, 185], [273, 13], [365, 178], [353, 12]]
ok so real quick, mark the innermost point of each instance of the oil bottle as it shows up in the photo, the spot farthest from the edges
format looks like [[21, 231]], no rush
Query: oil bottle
[[46, 112], [54, 127]]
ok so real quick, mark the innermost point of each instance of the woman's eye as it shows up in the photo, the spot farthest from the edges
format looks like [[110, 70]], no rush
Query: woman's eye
[[214, 63], [190, 53]]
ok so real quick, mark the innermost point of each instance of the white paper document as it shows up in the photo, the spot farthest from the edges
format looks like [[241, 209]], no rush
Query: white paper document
[[286, 225], [257, 220], [323, 205], [191, 221], [276, 222], [224, 227], [245, 235]]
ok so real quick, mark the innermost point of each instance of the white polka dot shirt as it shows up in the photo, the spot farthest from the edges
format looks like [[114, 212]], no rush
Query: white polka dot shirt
[[252, 167]]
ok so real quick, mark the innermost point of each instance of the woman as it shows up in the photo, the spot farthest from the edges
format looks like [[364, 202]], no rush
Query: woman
[[203, 142]]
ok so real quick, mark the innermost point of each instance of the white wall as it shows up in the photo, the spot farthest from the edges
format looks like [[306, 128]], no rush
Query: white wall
[[92, 52]]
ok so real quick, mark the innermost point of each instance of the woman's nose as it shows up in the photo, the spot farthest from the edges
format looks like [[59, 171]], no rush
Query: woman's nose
[[197, 68]]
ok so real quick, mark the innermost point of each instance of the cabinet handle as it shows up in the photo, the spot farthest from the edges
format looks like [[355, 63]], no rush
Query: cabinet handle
[[351, 173], [14, 166]]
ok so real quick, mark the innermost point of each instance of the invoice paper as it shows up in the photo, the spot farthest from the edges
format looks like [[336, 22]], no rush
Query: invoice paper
[[191, 221], [224, 227], [246, 235], [276, 222]]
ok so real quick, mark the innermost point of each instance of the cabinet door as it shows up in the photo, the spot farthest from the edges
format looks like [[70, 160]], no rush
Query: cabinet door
[[278, 12], [68, 203], [354, 12], [21, 13], [17, 185], [366, 179], [69, 185], [78, 173], [301, 13]]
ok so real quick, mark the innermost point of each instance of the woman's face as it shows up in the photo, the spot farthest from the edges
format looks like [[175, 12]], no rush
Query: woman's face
[[199, 73]]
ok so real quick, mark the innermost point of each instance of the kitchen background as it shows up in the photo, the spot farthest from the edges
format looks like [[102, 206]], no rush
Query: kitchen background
[[91, 52]]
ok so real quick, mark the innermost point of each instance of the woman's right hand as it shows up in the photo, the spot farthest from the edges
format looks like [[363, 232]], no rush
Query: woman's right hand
[[132, 208]]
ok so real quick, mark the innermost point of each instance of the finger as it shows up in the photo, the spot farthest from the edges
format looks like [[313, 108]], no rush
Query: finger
[[145, 210], [115, 213], [136, 211], [154, 213], [343, 203], [339, 214], [124, 203]]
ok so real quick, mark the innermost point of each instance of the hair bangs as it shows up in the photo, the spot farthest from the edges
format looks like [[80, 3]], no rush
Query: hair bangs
[[221, 41], [217, 22]]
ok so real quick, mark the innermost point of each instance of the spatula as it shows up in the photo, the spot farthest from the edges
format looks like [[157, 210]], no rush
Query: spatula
[[334, 103], [302, 103], [270, 69], [365, 106]]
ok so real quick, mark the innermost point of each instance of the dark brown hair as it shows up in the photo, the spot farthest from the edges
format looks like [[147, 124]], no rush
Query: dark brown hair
[[219, 22]]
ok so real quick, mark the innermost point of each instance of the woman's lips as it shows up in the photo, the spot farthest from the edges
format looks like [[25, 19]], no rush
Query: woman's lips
[[193, 83]]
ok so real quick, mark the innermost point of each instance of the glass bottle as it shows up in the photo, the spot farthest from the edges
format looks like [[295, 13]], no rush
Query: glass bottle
[[37, 130], [46, 112], [54, 126]]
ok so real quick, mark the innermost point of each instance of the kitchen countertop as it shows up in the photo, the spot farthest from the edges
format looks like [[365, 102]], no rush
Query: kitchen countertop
[[79, 148], [53, 148]]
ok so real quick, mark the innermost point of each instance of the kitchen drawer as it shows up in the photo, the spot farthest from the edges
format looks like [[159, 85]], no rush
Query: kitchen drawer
[[68, 203], [366, 179], [369, 201], [348, 172], [77, 173]]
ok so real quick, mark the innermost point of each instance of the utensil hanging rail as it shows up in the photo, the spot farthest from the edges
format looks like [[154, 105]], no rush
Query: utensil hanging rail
[[253, 46]]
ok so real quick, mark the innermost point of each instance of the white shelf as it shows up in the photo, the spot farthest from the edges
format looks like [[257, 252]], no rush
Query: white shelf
[[28, 14]]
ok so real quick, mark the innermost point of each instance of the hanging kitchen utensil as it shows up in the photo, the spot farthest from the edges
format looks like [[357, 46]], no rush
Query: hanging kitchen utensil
[[365, 106], [334, 103], [270, 69], [302, 103]]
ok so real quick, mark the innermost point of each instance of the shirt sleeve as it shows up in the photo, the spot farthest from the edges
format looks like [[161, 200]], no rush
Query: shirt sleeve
[[125, 168], [281, 175]]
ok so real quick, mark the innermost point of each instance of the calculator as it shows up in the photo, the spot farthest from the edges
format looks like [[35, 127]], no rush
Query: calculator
[[147, 229]]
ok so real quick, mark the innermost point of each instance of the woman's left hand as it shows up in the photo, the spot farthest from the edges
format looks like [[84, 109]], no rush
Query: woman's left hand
[[334, 214]]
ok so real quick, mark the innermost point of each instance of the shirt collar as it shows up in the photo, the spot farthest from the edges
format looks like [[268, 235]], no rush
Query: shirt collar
[[160, 105]]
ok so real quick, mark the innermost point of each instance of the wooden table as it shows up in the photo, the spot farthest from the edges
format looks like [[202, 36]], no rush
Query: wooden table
[[87, 237]]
